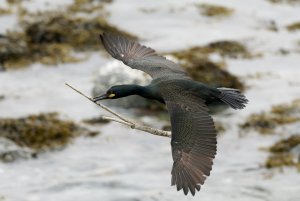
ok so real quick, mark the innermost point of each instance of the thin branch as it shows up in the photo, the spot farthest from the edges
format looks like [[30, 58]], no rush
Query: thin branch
[[140, 127], [100, 105], [123, 120]]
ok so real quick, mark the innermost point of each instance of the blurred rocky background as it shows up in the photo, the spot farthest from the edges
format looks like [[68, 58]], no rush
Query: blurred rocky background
[[54, 144]]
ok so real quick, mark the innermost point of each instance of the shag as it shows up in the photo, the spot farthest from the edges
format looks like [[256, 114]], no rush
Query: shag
[[193, 141]]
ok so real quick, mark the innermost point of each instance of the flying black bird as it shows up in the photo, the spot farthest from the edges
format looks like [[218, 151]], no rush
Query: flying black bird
[[193, 141]]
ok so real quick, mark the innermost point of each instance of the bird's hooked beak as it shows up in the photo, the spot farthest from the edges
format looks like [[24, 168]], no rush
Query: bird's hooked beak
[[101, 97], [104, 96]]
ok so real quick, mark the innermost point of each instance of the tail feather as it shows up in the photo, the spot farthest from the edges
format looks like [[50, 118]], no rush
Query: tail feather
[[233, 97]]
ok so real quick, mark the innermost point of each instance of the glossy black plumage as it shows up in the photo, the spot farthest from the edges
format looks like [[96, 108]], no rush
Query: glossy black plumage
[[193, 142]]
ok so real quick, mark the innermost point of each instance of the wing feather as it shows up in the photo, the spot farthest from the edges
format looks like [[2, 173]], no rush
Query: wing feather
[[193, 141], [139, 56]]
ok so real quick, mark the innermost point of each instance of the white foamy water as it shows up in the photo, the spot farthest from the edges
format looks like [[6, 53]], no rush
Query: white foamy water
[[128, 165]]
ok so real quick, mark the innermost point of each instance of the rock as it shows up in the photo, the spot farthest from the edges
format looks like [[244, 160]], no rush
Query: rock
[[116, 73], [10, 151]]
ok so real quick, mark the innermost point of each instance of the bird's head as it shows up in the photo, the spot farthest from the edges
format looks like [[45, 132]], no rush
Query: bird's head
[[117, 91]]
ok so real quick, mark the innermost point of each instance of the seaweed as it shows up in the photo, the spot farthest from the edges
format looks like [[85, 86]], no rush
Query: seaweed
[[294, 27], [53, 37], [196, 62], [282, 154], [13, 2], [40, 132], [5, 11], [216, 11], [280, 160], [266, 122], [96, 120], [231, 49], [291, 2], [285, 145]]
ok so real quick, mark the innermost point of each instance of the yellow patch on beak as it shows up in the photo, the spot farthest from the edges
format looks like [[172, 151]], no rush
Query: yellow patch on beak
[[111, 95]]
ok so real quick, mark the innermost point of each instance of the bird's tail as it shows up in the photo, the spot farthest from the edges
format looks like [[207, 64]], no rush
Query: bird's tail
[[233, 97]]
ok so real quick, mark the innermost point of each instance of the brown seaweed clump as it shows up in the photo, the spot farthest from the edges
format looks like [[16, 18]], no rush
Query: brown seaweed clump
[[231, 49], [292, 2], [54, 37], [11, 2], [216, 11], [96, 120], [200, 68], [5, 11], [282, 155], [285, 145], [266, 122], [225, 48], [40, 132], [294, 27]]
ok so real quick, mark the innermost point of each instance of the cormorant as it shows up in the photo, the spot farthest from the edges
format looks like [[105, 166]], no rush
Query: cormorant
[[193, 141]]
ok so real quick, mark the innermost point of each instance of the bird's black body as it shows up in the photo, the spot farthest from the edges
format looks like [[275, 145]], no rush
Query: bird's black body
[[193, 133]]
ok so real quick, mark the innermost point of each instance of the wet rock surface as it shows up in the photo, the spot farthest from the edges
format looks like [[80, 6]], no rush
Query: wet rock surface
[[10, 151]]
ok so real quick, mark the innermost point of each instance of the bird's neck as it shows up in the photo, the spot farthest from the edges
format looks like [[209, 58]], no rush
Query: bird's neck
[[144, 91]]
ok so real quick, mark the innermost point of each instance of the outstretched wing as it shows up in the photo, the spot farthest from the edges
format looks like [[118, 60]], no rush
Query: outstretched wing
[[194, 143], [138, 56]]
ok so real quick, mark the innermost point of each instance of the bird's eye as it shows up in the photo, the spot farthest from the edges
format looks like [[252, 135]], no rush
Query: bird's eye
[[111, 95]]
